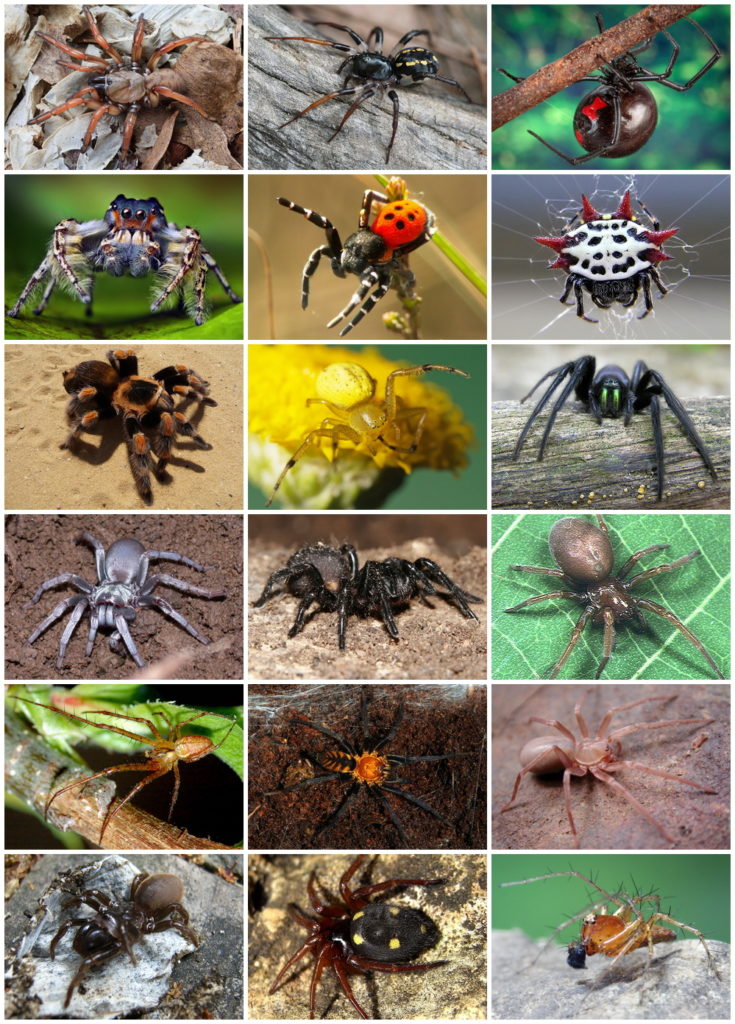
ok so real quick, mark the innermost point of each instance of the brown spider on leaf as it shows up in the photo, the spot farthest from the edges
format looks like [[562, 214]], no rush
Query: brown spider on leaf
[[120, 85]]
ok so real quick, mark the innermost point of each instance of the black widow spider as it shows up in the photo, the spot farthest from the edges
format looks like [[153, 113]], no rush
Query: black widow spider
[[366, 766], [611, 393], [619, 116], [374, 71]]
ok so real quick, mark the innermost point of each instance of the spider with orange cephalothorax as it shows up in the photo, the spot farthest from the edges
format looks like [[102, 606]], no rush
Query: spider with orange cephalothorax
[[600, 755], [164, 755], [359, 417], [119, 84], [619, 933]]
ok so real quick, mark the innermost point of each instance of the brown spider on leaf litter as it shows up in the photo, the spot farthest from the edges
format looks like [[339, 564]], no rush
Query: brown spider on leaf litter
[[599, 754]]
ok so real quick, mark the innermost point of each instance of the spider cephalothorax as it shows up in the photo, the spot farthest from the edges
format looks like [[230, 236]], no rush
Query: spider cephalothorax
[[619, 115], [334, 580], [374, 71], [133, 237], [119, 84], [375, 252], [145, 405], [610, 255]]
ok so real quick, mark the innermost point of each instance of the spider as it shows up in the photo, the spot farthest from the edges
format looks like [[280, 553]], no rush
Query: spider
[[610, 255], [585, 558], [334, 581], [367, 769], [154, 905], [610, 393], [599, 754], [356, 935], [374, 71], [619, 115], [119, 84], [164, 755], [620, 933], [376, 253], [145, 405], [348, 392], [134, 237], [123, 587]]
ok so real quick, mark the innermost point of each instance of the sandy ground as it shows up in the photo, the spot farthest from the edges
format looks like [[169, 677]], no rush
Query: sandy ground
[[39, 547], [39, 475]]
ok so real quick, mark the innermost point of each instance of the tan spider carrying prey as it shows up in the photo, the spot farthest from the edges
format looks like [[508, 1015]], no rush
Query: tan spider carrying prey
[[617, 934], [598, 754]]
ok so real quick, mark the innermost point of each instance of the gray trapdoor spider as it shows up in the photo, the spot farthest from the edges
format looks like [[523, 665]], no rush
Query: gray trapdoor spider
[[123, 586]]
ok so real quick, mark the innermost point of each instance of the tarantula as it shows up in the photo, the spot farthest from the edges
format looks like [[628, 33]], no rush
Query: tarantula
[[123, 586], [134, 237], [154, 905], [145, 405], [334, 581], [119, 84]]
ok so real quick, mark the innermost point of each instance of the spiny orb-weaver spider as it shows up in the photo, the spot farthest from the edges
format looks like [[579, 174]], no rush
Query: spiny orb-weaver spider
[[348, 391], [133, 237], [619, 933], [598, 754], [119, 84], [375, 252]]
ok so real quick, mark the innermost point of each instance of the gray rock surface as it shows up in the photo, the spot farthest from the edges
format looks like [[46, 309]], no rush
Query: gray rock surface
[[677, 985]]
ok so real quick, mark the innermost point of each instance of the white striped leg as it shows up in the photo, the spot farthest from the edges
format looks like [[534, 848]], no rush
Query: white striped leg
[[34, 280], [309, 269]]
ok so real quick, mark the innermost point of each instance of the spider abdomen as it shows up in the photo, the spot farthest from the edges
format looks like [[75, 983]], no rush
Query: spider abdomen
[[609, 250], [594, 119], [391, 934]]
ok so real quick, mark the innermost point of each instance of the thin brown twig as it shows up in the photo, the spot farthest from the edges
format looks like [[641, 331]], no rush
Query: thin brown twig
[[588, 57]]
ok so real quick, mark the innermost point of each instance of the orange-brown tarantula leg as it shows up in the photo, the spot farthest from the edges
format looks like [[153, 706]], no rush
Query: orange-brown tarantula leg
[[136, 51], [171, 95], [139, 458], [100, 39], [157, 54], [65, 48], [77, 100]]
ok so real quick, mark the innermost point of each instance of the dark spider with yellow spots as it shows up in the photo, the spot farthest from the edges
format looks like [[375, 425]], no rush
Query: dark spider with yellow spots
[[357, 936], [368, 768]]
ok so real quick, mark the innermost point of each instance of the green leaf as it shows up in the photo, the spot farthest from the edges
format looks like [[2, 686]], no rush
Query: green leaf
[[527, 644]]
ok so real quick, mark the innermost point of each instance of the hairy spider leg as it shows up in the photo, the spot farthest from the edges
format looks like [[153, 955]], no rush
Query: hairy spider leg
[[426, 569], [580, 375], [380, 280]]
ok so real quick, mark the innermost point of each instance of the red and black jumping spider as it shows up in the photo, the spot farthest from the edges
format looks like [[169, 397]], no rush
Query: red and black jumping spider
[[375, 252], [119, 84], [145, 405], [355, 935], [374, 71], [619, 115], [134, 237], [366, 767]]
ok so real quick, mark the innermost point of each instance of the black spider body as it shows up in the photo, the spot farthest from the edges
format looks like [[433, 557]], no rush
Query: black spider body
[[334, 581], [619, 115], [373, 71], [391, 934], [610, 393], [612, 256]]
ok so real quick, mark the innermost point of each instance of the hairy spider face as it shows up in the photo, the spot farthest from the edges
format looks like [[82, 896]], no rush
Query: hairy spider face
[[151, 420]]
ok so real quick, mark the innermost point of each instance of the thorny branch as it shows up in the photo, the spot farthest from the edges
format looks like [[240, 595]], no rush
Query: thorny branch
[[588, 57]]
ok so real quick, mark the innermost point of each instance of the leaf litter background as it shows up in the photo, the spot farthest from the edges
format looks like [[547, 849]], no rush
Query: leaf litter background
[[527, 644]]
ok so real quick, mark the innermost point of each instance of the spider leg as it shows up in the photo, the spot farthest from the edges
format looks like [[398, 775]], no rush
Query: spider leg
[[157, 54], [153, 774], [69, 629], [663, 79], [323, 99], [434, 573], [370, 303], [608, 641], [56, 613], [342, 743], [377, 793], [664, 613], [71, 52], [167, 609], [71, 923], [84, 968], [449, 81], [100, 39], [579, 296], [371, 581], [336, 433], [274, 581], [128, 127], [570, 595], [35, 279], [622, 573], [616, 765], [46, 296], [139, 456], [124, 632], [217, 271], [64, 577], [161, 90], [578, 372], [342, 47], [340, 810], [106, 108], [658, 916], [390, 735], [342, 975], [560, 753], [365, 94], [369, 280], [79, 99], [665, 567], [186, 588], [190, 254], [627, 795], [582, 621], [414, 800]]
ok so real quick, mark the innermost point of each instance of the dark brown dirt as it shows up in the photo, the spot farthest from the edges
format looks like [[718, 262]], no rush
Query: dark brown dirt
[[603, 818], [437, 720], [39, 547], [436, 641]]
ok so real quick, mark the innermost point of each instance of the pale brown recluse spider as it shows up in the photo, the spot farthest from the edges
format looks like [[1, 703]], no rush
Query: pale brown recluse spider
[[619, 933], [164, 754], [599, 755]]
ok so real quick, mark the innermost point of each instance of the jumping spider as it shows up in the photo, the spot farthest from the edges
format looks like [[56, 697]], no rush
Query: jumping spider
[[133, 237], [154, 905], [119, 84], [145, 405], [334, 580]]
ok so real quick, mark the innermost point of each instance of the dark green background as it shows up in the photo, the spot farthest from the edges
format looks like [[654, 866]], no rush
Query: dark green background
[[693, 130], [435, 489], [694, 889], [34, 204]]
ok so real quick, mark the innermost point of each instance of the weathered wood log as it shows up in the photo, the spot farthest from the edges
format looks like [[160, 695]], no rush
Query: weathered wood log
[[609, 466], [437, 127]]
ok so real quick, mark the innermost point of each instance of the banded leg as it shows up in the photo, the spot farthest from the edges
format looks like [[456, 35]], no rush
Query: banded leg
[[139, 457], [35, 279], [217, 271]]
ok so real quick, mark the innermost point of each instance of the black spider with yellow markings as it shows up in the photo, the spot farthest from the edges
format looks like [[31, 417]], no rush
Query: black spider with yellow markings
[[367, 768], [357, 936]]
